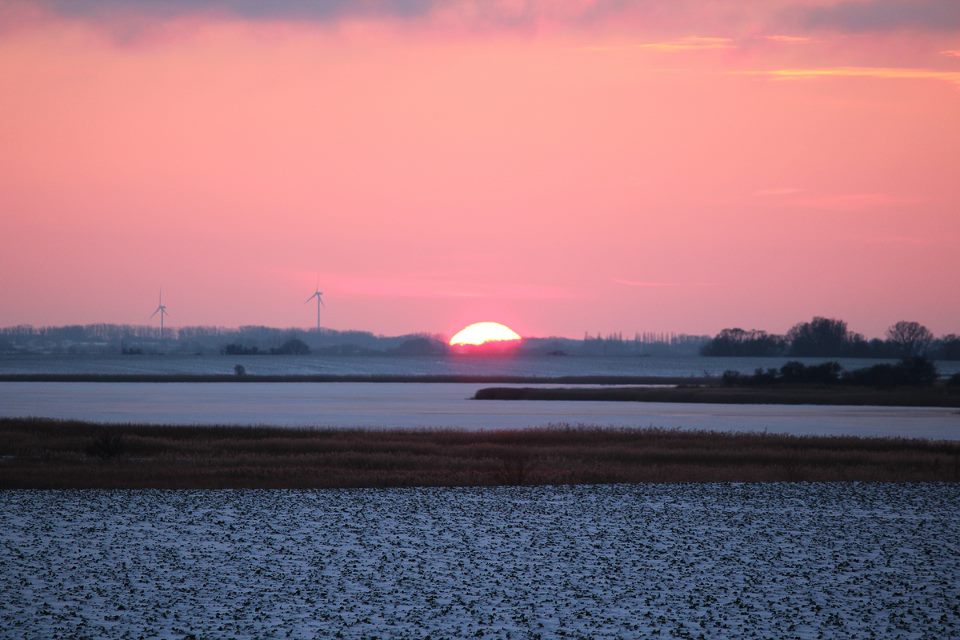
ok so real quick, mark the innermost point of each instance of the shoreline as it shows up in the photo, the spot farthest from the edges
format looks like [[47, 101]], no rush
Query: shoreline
[[50, 454], [375, 378], [936, 397]]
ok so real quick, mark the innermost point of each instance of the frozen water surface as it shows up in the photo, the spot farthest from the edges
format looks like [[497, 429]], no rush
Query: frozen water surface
[[717, 560], [411, 365], [398, 405]]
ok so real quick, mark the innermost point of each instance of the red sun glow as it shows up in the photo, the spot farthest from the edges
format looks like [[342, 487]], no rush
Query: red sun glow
[[483, 332]]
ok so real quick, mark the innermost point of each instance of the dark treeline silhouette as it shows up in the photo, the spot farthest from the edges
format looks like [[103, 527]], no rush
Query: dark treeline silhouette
[[912, 371], [246, 340], [827, 337], [821, 337], [645, 343], [292, 347], [258, 340], [739, 342]]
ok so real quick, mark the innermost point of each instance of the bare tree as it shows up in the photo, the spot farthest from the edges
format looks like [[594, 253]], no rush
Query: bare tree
[[910, 338], [821, 337]]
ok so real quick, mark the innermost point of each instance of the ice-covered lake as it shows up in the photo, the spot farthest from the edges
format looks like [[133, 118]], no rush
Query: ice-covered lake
[[172, 364], [721, 560], [409, 405]]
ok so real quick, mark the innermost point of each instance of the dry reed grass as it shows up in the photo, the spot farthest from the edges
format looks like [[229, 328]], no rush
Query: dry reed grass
[[60, 454]]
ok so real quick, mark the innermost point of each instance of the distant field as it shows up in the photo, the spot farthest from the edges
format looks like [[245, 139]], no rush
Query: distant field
[[53, 454], [938, 396]]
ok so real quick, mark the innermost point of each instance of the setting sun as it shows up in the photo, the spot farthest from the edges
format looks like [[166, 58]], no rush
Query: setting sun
[[483, 332]]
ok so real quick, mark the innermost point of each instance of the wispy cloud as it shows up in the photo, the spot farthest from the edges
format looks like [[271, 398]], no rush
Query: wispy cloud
[[885, 73], [677, 45], [885, 15], [689, 43], [247, 9], [655, 284], [474, 14], [953, 53], [785, 39]]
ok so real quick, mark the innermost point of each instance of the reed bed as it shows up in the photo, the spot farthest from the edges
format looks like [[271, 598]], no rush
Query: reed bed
[[940, 395], [48, 454]]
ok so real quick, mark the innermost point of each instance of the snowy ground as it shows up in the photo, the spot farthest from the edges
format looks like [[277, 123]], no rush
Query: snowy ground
[[721, 560]]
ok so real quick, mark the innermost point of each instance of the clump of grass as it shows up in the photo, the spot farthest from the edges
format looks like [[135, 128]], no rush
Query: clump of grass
[[105, 445]]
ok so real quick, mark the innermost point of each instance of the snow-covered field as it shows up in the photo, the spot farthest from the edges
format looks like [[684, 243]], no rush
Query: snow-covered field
[[718, 560]]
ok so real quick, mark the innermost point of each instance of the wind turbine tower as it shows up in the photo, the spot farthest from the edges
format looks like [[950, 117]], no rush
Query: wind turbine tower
[[319, 296], [162, 310]]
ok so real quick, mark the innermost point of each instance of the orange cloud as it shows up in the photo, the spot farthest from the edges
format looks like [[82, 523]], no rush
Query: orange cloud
[[788, 39], [953, 53], [689, 43], [678, 45], [889, 73]]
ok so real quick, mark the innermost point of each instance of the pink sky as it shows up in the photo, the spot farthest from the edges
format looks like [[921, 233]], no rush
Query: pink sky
[[680, 166]]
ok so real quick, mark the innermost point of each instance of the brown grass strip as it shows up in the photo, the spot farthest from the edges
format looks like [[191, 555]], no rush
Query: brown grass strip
[[49, 454]]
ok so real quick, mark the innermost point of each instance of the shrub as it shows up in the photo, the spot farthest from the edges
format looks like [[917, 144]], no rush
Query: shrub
[[732, 378], [293, 346], [105, 445], [914, 371], [823, 373], [240, 370], [762, 378], [792, 372], [234, 349], [918, 371]]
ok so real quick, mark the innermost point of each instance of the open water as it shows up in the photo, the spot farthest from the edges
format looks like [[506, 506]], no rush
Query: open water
[[411, 405], [399, 365]]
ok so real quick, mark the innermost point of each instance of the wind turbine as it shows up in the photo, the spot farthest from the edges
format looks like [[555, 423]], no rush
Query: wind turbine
[[162, 310], [319, 296]]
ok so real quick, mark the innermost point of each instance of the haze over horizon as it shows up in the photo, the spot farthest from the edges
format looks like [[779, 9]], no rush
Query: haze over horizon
[[557, 167]]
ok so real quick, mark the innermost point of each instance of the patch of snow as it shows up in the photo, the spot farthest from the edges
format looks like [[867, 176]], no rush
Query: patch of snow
[[718, 560]]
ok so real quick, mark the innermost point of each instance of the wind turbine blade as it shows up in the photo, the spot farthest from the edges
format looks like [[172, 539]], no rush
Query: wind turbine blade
[[310, 298], [155, 312]]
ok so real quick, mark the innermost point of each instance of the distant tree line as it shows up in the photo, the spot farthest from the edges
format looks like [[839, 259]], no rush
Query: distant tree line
[[828, 337], [246, 340], [914, 371], [258, 340], [648, 343], [292, 347], [821, 337]]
